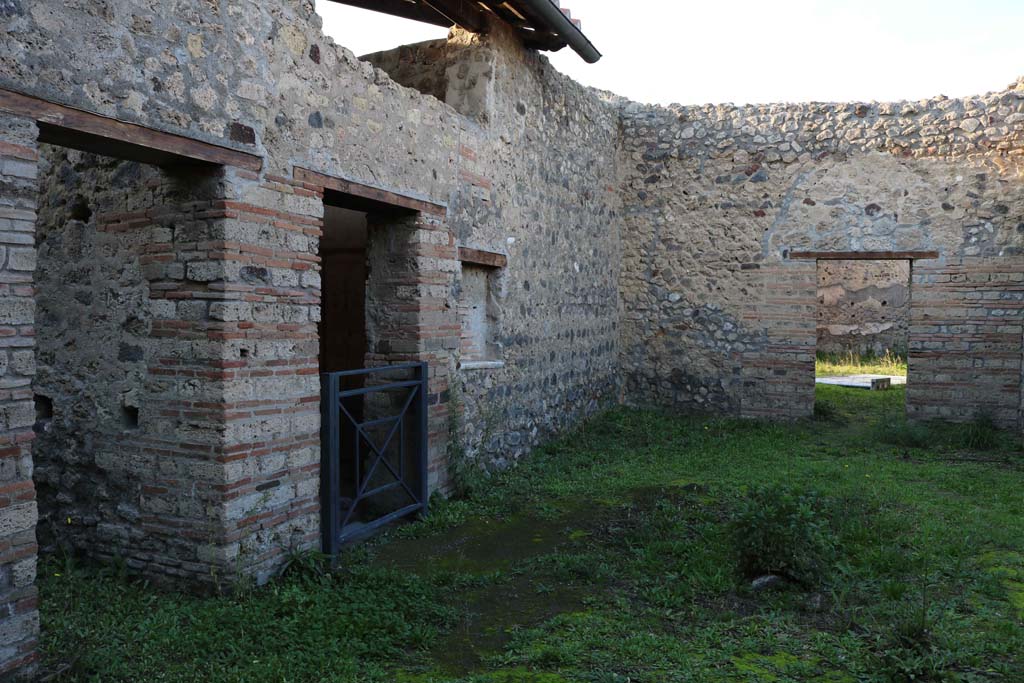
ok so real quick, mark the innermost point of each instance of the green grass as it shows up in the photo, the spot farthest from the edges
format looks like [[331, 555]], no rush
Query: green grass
[[610, 556], [835, 364]]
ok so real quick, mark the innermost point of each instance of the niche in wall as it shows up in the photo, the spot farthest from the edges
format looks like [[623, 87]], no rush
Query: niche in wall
[[479, 309]]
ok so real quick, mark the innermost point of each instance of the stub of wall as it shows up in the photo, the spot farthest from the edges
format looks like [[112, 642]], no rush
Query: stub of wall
[[863, 306], [131, 355]]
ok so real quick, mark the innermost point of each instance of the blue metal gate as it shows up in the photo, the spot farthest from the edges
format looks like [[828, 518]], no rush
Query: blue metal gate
[[374, 449]]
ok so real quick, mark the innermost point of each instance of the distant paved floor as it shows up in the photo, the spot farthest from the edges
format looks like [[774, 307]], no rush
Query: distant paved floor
[[859, 381]]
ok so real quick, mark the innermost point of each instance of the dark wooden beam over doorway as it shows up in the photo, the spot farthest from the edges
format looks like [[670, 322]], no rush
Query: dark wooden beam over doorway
[[862, 255], [366, 197], [491, 259], [79, 129]]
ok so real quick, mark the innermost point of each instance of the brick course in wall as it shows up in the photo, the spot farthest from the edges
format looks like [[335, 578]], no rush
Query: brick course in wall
[[967, 321]]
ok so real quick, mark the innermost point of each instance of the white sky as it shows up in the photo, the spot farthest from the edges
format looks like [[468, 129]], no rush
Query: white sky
[[764, 50]]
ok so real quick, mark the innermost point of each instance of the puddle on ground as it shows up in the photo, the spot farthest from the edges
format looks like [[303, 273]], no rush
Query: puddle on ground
[[484, 546]]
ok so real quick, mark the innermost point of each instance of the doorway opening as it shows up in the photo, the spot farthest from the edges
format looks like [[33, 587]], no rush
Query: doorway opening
[[863, 322], [113, 239], [343, 262], [374, 441]]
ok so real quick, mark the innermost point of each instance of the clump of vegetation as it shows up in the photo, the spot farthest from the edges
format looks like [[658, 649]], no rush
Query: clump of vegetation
[[914, 650], [850, 363], [907, 434], [981, 434], [826, 411], [784, 531]]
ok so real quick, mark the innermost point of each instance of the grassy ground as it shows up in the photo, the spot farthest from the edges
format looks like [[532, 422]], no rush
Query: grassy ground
[[835, 364], [609, 557]]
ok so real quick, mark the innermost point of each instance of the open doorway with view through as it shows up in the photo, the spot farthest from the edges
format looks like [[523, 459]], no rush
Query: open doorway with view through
[[863, 322]]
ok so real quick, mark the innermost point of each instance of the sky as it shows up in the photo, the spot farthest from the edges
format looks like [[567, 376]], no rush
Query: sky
[[754, 51]]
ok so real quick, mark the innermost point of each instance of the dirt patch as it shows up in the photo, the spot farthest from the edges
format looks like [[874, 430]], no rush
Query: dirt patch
[[490, 616], [483, 546]]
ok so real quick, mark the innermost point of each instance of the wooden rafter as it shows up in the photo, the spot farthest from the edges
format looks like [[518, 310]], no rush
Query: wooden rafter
[[445, 13]]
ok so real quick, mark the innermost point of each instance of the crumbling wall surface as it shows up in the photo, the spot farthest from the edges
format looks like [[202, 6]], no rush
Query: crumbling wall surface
[[421, 66], [863, 306], [523, 157], [94, 321], [718, 315]]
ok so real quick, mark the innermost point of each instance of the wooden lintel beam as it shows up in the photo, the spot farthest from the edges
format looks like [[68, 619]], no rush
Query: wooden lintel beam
[[78, 129], [373, 195], [491, 259], [863, 255]]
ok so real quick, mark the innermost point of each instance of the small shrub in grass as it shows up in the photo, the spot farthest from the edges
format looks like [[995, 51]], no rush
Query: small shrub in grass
[[784, 531], [907, 434], [306, 564], [912, 651], [980, 435], [826, 411]]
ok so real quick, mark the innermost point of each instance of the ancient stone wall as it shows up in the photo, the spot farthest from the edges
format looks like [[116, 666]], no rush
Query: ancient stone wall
[[219, 295], [863, 306], [554, 210], [422, 66], [717, 314], [129, 427]]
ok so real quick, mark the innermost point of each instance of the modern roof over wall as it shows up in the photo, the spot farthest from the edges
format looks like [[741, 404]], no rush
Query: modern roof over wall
[[543, 24]]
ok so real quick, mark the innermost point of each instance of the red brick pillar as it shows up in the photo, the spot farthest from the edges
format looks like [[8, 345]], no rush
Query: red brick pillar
[[411, 312], [266, 316], [778, 375], [19, 618], [966, 326]]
